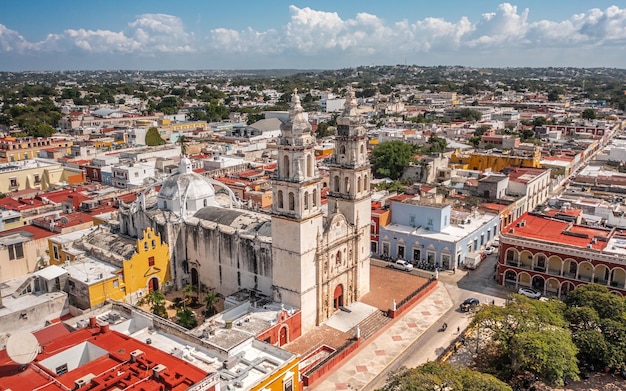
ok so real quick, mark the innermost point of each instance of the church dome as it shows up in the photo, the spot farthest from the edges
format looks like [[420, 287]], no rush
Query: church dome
[[186, 192]]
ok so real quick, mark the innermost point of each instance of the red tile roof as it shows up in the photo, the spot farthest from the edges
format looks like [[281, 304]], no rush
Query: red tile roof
[[557, 232], [518, 172], [113, 370], [37, 232]]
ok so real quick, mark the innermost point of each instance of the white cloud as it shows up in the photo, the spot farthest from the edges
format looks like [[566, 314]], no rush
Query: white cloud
[[12, 41], [326, 35]]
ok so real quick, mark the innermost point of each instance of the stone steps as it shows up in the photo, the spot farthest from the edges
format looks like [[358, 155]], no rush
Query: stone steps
[[370, 325]]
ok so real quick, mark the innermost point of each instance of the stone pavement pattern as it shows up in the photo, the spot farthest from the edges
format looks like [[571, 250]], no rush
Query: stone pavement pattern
[[381, 350]]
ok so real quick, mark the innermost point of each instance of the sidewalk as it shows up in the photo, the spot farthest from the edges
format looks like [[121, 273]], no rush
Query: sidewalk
[[382, 349]]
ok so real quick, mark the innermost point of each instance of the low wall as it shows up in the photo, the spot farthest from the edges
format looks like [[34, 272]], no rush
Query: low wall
[[326, 365], [413, 298]]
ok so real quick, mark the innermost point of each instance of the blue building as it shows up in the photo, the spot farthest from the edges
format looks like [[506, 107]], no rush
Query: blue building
[[429, 230]]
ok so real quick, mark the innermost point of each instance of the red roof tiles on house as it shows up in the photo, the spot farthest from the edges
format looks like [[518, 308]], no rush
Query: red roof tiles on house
[[111, 364], [557, 232]]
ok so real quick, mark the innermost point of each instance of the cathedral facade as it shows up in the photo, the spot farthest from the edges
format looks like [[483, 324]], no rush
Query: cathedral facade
[[298, 254]]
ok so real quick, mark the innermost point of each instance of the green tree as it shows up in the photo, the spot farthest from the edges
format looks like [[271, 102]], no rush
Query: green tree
[[527, 336], [467, 114], [540, 121], [183, 141], [435, 375], [188, 292], [390, 158], [598, 322], [324, 130], [156, 301], [153, 137], [186, 318], [209, 300], [553, 96], [589, 114], [41, 130]]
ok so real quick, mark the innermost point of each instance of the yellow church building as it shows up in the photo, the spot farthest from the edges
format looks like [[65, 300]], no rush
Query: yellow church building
[[104, 265], [495, 160]]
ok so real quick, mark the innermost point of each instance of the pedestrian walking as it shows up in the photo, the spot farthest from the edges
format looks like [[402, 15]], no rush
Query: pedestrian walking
[[454, 270], [458, 329]]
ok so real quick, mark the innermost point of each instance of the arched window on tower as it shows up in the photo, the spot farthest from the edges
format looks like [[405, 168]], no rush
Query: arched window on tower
[[306, 200], [362, 149], [337, 184], [342, 150], [309, 166], [314, 197], [292, 201], [279, 195], [338, 258], [366, 184], [286, 166], [358, 185]]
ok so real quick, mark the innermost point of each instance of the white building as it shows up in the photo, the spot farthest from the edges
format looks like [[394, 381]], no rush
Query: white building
[[132, 175], [534, 183]]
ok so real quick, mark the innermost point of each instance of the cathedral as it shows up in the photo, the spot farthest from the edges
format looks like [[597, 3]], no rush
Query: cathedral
[[298, 254]]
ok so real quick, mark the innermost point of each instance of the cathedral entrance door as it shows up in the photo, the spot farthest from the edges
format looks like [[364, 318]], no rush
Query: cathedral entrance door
[[338, 297], [153, 285], [282, 338]]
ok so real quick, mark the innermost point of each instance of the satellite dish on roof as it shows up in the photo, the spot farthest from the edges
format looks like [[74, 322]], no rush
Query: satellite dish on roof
[[22, 347]]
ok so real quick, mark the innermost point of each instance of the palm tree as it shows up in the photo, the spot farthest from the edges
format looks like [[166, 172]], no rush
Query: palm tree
[[156, 301], [183, 141], [209, 300], [186, 318], [188, 290]]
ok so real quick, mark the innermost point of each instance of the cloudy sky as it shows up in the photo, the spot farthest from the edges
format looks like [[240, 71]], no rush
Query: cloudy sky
[[321, 34]]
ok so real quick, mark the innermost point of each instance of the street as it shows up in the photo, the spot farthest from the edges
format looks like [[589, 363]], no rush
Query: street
[[461, 285]]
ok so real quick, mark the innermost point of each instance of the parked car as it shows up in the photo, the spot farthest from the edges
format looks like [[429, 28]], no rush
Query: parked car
[[401, 264], [490, 250], [469, 303], [529, 292], [496, 242]]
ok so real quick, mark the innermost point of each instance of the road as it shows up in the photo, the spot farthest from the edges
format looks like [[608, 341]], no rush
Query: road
[[477, 283]]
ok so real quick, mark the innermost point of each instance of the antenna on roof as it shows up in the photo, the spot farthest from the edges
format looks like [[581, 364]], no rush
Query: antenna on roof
[[22, 347]]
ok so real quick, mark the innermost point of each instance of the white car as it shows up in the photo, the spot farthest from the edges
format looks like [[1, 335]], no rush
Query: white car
[[490, 250], [402, 265], [529, 292]]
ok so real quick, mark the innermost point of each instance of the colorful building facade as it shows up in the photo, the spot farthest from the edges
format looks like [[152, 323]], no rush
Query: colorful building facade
[[555, 256], [103, 265]]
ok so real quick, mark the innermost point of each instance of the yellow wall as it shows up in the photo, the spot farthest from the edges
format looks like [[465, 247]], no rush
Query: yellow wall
[[18, 223], [105, 289], [137, 271], [493, 161], [184, 125], [275, 381]]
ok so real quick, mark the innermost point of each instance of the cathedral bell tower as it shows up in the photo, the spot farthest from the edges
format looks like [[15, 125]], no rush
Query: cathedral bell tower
[[296, 215], [350, 168]]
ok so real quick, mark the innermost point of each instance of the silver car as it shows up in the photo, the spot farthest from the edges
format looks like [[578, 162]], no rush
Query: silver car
[[529, 292]]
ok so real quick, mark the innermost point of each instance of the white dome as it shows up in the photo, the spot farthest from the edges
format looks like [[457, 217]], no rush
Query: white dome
[[186, 193]]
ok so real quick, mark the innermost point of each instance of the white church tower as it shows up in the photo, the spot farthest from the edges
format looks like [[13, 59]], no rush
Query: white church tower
[[296, 216], [349, 181]]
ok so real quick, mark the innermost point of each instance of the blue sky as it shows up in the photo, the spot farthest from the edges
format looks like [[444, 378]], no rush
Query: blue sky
[[322, 34]]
